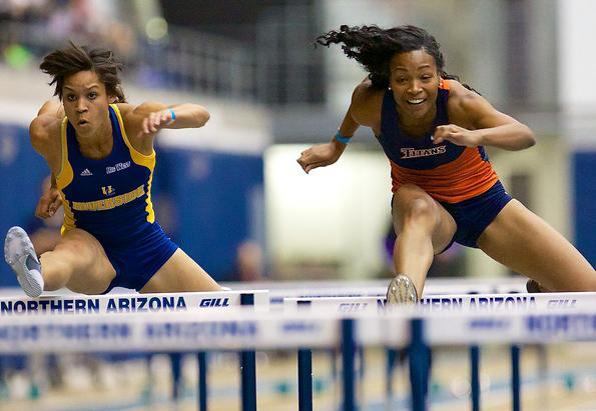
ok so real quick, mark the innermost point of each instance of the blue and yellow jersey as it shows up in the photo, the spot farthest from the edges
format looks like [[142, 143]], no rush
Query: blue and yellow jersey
[[109, 198], [446, 171]]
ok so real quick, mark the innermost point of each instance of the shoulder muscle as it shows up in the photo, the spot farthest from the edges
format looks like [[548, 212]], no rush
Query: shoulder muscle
[[469, 109], [44, 134], [43, 131], [366, 104]]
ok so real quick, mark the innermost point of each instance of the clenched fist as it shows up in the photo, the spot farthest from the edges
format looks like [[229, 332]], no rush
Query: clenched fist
[[320, 155], [457, 135]]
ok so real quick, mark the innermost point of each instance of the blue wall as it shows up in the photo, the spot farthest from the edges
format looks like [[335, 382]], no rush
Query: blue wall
[[22, 171], [203, 199], [212, 193], [584, 175]]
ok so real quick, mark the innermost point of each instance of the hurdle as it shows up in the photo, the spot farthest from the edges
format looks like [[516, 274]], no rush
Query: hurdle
[[112, 303], [239, 329], [489, 303], [132, 303], [360, 294]]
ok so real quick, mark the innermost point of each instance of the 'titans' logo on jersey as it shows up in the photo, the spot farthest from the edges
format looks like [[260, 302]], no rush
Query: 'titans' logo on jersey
[[107, 190], [422, 152]]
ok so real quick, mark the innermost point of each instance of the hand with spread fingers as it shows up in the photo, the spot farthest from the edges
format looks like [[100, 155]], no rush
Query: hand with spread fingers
[[457, 135], [319, 155]]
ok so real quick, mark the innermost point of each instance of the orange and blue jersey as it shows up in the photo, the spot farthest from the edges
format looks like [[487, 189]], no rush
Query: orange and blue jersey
[[460, 178], [110, 198], [446, 171]]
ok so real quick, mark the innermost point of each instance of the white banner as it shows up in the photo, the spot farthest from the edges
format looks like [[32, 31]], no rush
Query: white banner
[[129, 303], [455, 302]]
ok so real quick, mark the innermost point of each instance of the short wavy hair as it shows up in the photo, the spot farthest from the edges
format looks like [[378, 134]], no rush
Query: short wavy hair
[[75, 58]]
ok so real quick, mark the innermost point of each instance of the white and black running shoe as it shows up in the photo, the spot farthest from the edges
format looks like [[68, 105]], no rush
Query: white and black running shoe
[[20, 255]]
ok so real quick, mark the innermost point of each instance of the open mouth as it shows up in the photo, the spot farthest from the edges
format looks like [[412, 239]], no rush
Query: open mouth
[[415, 101], [82, 122]]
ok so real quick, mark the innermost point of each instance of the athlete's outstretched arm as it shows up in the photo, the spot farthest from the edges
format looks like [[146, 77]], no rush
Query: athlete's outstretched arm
[[321, 155], [152, 117], [487, 125]]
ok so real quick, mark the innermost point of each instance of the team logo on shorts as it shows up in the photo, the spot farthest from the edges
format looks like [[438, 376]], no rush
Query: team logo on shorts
[[107, 190]]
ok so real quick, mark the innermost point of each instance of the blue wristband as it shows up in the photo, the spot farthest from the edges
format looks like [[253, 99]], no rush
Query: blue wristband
[[173, 115], [341, 139]]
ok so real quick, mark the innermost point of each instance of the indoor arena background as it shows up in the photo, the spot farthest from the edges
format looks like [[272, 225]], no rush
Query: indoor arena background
[[231, 193]]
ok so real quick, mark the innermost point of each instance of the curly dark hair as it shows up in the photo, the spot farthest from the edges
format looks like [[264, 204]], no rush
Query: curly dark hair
[[70, 60], [373, 47]]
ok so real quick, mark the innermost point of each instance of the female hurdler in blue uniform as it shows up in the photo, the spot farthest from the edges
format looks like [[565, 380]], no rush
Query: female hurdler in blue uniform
[[100, 152]]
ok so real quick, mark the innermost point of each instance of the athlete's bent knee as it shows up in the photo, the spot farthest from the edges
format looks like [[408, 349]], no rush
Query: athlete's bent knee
[[419, 211], [408, 190], [74, 252], [414, 207], [419, 208]]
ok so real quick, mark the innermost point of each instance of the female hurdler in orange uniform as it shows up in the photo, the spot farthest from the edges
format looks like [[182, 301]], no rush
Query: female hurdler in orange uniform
[[433, 130]]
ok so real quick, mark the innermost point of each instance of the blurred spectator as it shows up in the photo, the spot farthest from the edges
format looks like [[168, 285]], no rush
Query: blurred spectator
[[26, 11], [249, 263], [36, 26], [90, 22]]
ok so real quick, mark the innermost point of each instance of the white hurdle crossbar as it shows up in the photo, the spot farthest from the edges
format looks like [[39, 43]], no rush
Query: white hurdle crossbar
[[451, 302], [130, 303], [240, 329], [373, 288]]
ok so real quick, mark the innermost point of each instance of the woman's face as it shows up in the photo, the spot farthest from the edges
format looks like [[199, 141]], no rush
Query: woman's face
[[85, 102], [414, 79]]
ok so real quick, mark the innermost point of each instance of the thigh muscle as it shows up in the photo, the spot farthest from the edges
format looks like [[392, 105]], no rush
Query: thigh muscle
[[180, 273], [413, 206], [91, 268], [526, 244]]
